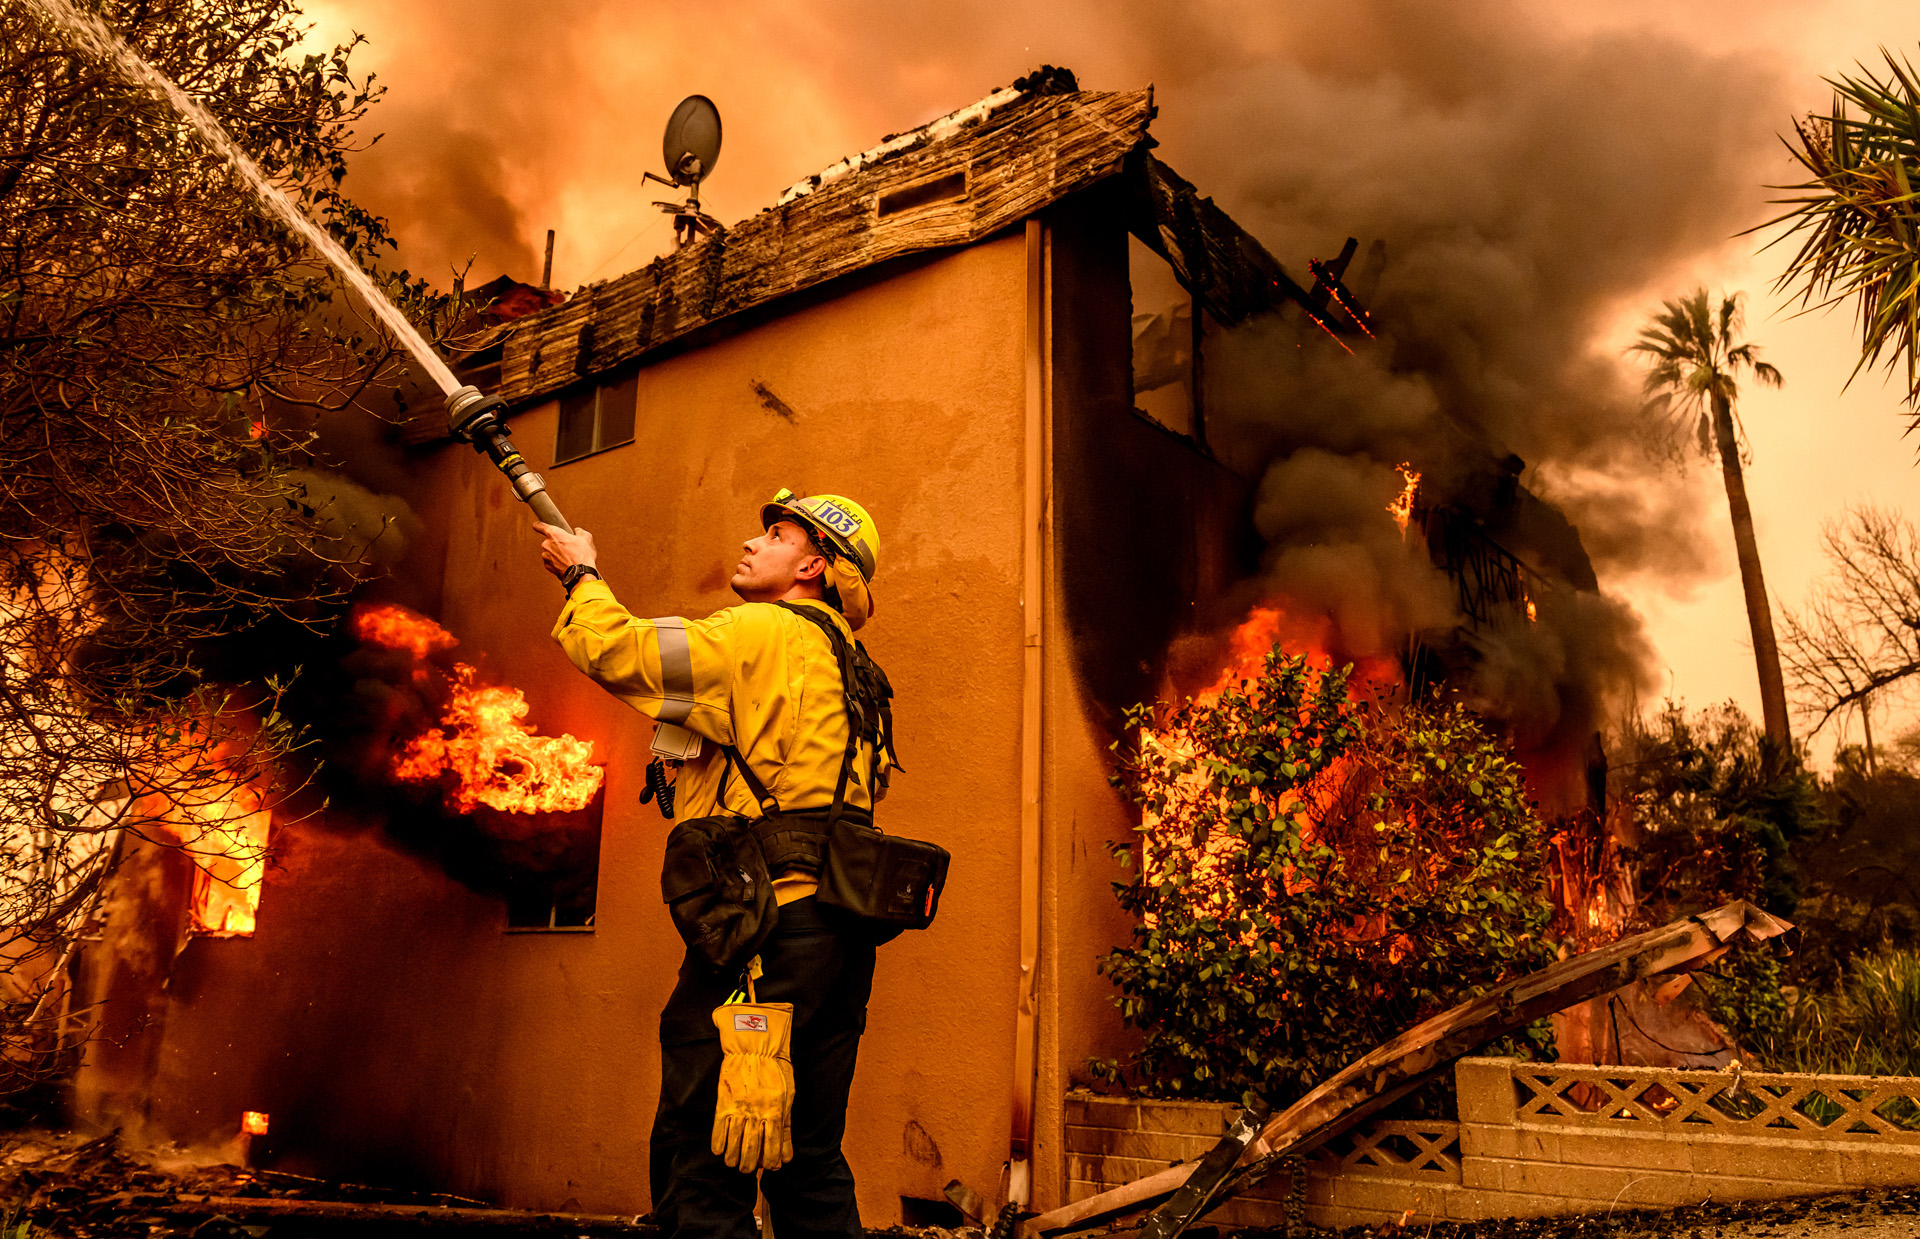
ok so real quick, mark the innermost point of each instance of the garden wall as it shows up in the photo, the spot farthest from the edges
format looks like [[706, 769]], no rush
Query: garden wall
[[1541, 1139]]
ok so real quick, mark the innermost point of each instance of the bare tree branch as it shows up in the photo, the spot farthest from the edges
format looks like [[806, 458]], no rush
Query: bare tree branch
[[1859, 634]]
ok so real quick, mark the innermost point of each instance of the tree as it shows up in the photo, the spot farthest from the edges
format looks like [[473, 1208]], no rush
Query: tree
[[1857, 215], [1314, 876], [1693, 379], [161, 350], [1714, 815], [1859, 636]]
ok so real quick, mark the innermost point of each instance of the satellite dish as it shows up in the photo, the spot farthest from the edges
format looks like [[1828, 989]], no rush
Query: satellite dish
[[693, 140]]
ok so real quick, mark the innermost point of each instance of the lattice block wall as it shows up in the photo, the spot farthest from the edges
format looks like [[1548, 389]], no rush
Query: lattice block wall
[[1871, 1108], [1568, 1134], [1374, 1173], [1542, 1139]]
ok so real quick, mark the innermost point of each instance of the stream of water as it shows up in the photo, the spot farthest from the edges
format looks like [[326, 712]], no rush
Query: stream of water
[[93, 35]]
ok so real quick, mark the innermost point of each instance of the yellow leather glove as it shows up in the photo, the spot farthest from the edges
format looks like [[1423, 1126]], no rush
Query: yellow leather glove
[[753, 1117]]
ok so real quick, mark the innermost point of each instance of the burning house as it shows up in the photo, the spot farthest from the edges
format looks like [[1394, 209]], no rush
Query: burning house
[[1017, 336]]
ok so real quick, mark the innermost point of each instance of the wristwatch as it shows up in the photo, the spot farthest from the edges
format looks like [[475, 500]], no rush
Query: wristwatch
[[578, 573]]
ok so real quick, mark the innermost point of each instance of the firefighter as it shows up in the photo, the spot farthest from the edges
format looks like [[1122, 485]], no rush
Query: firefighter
[[762, 679]]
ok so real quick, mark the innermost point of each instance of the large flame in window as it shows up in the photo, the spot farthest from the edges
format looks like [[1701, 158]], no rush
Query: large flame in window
[[482, 749], [226, 834], [199, 802]]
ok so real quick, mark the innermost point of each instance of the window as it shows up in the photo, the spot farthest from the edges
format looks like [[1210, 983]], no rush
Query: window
[[595, 418], [1163, 380], [552, 876]]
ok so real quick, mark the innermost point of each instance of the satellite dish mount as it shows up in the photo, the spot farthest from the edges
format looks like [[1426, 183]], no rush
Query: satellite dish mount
[[691, 147]]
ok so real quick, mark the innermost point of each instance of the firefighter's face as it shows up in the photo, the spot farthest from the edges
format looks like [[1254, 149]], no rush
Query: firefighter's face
[[776, 561]]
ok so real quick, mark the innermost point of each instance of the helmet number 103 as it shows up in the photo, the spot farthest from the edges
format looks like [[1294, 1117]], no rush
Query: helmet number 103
[[840, 522]]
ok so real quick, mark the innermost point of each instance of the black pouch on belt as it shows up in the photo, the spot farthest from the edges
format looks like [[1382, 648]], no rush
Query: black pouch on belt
[[717, 890], [884, 878]]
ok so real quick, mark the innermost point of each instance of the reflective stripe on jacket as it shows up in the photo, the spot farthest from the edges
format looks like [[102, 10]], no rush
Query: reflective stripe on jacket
[[755, 676]]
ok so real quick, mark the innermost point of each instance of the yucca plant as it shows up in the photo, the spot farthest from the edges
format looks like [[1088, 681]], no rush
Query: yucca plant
[[1857, 217]]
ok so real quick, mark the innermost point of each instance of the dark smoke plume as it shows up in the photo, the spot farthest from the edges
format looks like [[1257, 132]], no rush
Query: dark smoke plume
[[1528, 190]]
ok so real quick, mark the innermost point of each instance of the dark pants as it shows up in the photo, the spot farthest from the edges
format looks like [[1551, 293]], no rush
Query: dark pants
[[822, 963]]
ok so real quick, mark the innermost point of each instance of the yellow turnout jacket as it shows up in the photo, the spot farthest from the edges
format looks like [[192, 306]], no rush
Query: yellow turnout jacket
[[758, 677]]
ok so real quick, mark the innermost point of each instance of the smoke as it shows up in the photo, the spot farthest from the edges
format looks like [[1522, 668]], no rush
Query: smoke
[[1532, 187], [1333, 549], [1528, 188], [353, 524]]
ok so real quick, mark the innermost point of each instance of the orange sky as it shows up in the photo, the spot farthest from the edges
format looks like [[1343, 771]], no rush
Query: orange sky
[[537, 118]]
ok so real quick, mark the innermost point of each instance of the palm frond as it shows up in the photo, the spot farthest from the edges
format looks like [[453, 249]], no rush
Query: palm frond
[[1856, 217], [1694, 357]]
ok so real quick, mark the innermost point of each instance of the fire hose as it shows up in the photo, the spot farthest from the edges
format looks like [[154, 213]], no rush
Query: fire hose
[[481, 421]]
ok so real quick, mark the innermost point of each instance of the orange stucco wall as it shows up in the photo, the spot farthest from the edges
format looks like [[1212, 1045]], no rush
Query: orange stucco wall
[[393, 1030], [382, 1016]]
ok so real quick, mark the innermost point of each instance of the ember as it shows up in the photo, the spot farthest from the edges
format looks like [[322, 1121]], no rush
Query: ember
[[1401, 509]]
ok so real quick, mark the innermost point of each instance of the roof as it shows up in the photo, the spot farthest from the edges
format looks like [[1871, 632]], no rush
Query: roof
[[949, 183]]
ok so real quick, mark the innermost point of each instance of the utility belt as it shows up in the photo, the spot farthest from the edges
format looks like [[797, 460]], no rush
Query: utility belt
[[717, 880], [796, 840], [718, 877]]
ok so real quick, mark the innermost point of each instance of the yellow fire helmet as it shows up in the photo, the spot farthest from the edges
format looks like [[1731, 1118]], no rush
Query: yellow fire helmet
[[848, 534]]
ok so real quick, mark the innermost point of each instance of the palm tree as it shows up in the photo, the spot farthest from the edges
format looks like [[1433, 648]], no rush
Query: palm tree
[[1857, 215], [1695, 360]]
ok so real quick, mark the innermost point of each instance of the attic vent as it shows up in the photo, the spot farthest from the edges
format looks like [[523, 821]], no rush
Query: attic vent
[[926, 193]]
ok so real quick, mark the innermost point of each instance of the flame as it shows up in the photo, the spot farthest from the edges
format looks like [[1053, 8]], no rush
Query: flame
[[253, 1122], [396, 628], [495, 757], [1267, 625], [1401, 509], [1590, 880], [223, 825], [1533, 612]]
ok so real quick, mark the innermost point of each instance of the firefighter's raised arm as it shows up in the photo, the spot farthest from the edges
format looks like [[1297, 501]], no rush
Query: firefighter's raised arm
[[569, 555]]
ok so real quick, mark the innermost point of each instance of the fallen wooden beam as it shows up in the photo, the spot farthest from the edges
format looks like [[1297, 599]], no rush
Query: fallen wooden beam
[[1395, 1069]]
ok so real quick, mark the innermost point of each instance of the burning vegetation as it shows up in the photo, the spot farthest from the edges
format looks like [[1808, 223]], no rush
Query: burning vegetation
[[1319, 866]]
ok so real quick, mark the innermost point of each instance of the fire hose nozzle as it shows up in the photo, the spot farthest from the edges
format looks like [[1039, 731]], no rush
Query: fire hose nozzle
[[478, 419], [471, 415]]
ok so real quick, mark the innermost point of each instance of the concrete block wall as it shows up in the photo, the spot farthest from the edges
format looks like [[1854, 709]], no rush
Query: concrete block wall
[[1374, 1174], [1542, 1139]]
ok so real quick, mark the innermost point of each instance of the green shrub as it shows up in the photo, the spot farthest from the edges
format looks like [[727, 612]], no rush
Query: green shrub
[[1314, 876], [1868, 1025]]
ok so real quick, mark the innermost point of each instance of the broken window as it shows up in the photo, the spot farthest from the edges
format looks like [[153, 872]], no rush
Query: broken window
[[597, 417], [1163, 383]]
